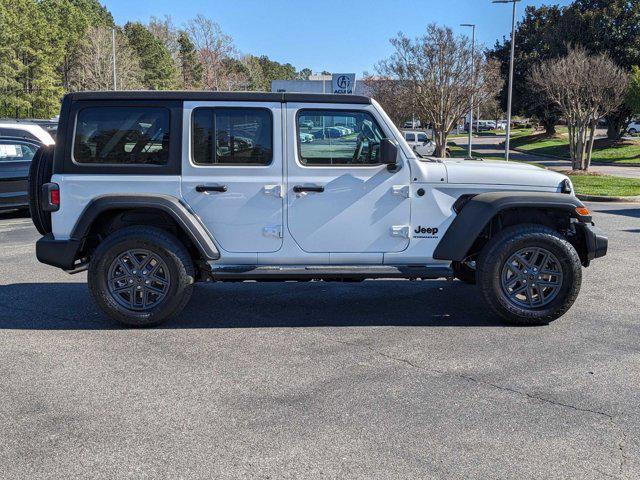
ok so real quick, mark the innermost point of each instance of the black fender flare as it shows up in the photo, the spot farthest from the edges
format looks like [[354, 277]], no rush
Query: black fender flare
[[165, 203], [478, 211]]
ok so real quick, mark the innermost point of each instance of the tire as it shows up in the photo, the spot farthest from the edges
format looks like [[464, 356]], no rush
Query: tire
[[463, 272], [173, 266], [40, 171], [499, 261]]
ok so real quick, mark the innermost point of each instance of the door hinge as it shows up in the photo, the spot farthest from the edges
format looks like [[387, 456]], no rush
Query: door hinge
[[275, 190], [401, 231], [401, 190], [273, 231]]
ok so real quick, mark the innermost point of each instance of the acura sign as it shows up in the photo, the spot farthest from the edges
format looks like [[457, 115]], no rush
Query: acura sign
[[343, 82]]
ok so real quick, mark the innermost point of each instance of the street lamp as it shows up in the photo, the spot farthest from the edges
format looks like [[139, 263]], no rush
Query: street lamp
[[473, 66], [510, 93]]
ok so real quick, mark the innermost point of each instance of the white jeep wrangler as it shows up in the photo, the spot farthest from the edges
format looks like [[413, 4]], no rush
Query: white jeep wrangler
[[153, 191]]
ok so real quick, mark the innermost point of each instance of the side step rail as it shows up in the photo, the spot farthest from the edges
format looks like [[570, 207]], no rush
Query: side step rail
[[329, 272]]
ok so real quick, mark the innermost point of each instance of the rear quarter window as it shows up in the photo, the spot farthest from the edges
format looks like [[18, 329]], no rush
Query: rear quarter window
[[122, 136]]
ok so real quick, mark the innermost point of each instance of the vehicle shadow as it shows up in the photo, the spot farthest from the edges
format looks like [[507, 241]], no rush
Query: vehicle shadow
[[9, 214], [626, 212], [69, 306]]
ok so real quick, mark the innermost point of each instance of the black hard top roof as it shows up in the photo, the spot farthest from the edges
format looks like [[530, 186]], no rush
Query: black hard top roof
[[220, 96]]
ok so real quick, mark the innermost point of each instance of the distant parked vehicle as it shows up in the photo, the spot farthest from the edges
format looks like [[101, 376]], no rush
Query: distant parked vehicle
[[305, 137], [307, 124], [634, 127], [18, 145], [412, 124], [329, 132], [420, 143]]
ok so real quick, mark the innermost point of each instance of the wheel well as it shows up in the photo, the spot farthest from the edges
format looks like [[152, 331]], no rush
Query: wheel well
[[556, 219], [111, 220]]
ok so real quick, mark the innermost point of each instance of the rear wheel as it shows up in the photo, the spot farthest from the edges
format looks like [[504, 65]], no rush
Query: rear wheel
[[40, 172], [141, 276], [529, 274]]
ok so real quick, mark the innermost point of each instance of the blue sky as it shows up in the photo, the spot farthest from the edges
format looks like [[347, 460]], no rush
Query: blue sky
[[333, 35]]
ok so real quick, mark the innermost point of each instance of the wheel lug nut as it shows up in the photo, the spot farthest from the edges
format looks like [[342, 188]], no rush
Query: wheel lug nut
[[135, 271], [144, 272], [130, 281], [147, 282]]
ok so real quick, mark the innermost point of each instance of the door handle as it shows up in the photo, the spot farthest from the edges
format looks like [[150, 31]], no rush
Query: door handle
[[302, 188], [211, 188]]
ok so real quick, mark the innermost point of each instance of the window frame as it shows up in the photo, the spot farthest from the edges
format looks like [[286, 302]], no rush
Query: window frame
[[192, 159], [63, 162], [337, 110]]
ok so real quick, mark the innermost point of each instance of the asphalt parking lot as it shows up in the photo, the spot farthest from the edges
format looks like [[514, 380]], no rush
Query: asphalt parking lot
[[383, 379]]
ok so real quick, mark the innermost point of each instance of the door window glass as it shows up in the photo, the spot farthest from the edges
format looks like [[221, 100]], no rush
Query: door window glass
[[422, 137], [340, 138], [232, 136], [410, 137]]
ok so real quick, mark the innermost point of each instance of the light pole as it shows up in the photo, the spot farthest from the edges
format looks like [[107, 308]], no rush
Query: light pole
[[113, 55], [473, 67], [510, 93]]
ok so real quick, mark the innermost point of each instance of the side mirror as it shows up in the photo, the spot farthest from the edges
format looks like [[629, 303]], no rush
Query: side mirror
[[389, 153]]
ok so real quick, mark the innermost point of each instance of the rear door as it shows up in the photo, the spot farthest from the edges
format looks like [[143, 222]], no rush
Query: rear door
[[232, 172], [15, 159]]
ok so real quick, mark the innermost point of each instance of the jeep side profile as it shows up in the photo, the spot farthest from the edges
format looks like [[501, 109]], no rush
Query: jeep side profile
[[153, 191]]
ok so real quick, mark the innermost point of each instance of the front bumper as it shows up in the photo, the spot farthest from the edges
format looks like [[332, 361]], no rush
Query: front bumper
[[59, 253], [596, 242]]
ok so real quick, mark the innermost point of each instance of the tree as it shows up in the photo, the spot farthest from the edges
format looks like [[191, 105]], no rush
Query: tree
[[95, 71], [28, 78], [158, 69], [165, 31], [632, 99], [437, 71], [610, 26], [188, 62], [213, 47], [392, 94], [585, 88], [541, 35]]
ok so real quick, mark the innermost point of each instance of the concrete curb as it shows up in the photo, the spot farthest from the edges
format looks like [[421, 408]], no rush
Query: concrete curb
[[600, 198]]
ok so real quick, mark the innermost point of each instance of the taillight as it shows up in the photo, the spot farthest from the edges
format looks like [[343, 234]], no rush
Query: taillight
[[54, 198], [50, 201]]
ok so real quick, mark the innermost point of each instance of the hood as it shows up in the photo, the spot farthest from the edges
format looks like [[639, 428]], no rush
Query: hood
[[496, 172]]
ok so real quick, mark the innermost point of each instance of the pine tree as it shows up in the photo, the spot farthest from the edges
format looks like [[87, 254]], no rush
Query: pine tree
[[189, 64], [158, 69]]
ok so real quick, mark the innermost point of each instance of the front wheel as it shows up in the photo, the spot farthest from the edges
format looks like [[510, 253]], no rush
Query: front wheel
[[141, 276], [529, 275]]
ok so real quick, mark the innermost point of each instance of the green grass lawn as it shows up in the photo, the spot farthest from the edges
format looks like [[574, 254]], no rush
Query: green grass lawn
[[606, 185], [626, 152]]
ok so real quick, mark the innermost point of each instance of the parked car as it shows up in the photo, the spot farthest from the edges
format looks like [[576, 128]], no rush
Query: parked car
[[420, 143], [308, 124], [18, 145], [305, 137], [634, 127], [140, 196]]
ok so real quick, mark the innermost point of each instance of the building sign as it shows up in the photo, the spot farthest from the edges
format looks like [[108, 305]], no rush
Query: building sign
[[343, 82]]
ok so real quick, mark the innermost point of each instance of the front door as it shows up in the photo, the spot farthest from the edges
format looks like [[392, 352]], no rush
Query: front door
[[232, 172], [340, 198]]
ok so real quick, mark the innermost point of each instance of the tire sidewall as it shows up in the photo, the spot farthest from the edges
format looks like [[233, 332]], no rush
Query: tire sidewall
[[180, 285]]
